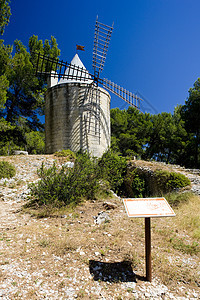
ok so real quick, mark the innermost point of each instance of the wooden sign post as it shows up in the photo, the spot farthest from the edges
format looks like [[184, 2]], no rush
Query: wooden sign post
[[148, 248], [148, 208]]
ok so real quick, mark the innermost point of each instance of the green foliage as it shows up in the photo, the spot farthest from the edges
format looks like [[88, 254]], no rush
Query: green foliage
[[175, 199], [50, 48], [22, 94], [177, 180], [168, 181], [190, 113], [4, 84], [7, 170], [9, 147], [8, 134], [70, 155], [25, 95], [35, 142], [5, 55], [140, 182], [167, 138], [18, 137], [130, 131], [5, 13], [162, 137], [59, 187], [87, 179], [134, 184], [112, 169]]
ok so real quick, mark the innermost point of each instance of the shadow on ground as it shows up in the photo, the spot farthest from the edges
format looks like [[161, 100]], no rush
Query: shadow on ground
[[112, 272]]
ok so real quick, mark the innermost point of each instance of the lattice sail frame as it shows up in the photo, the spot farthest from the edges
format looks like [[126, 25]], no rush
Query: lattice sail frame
[[58, 69], [102, 35], [122, 93]]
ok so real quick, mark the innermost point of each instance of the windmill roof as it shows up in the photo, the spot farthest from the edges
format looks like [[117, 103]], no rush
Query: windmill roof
[[76, 72]]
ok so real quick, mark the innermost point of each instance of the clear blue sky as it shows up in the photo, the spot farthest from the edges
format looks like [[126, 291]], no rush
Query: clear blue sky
[[154, 49]]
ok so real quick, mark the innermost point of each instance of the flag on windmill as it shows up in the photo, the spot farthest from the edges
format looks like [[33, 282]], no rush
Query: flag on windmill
[[79, 47]]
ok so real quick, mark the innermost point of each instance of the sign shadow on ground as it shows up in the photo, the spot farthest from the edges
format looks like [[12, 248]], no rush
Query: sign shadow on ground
[[112, 272]]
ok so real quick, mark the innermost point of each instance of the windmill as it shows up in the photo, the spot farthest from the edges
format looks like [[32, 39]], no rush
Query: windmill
[[91, 128]]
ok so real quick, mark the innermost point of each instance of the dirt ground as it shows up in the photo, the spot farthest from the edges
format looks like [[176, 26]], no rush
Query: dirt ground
[[68, 256]]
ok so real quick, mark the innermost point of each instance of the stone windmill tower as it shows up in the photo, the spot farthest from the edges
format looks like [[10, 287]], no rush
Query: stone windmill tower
[[77, 109], [77, 114]]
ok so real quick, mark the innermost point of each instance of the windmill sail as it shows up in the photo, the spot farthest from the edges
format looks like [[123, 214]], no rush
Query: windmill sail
[[62, 70], [101, 42], [122, 93], [76, 71]]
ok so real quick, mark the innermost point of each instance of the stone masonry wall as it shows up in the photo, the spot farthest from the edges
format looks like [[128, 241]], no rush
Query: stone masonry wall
[[77, 116]]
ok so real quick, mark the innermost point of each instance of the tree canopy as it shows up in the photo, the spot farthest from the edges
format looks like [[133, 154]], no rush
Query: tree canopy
[[130, 131], [171, 138], [191, 115], [21, 92], [5, 13], [25, 92]]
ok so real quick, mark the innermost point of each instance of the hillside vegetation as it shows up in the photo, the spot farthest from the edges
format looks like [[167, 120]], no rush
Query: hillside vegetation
[[62, 252], [91, 178]]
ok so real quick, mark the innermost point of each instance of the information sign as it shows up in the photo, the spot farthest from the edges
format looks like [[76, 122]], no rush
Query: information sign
[[148, 207]]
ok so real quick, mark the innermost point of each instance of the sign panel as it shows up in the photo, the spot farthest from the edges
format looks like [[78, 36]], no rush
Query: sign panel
[[148, 207]]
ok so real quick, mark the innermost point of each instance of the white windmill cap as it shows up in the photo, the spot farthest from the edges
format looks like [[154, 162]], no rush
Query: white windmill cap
[[86, 78]]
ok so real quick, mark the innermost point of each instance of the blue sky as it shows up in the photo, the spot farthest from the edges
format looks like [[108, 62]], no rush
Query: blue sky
[[154, 48]]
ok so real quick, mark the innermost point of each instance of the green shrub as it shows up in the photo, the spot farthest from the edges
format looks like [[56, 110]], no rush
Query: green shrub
[[7, 170], [112, 169], [35, 142], [177, 180], [168, 181], [134, 184], [140, 182], [8, 148], [88, 178], [63, 186], [70, 155]]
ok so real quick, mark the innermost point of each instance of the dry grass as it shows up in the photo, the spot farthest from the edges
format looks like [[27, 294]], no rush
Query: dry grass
[[153, 165], [67, 241], [173, 240], [188, 217]]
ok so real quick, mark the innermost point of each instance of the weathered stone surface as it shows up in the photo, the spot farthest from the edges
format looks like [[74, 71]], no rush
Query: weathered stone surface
[[109, 205], [101, 218], [69, 164], [77, 117], [20, 152]]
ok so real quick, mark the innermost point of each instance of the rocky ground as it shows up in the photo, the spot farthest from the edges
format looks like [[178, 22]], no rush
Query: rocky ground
[[72, 257]]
